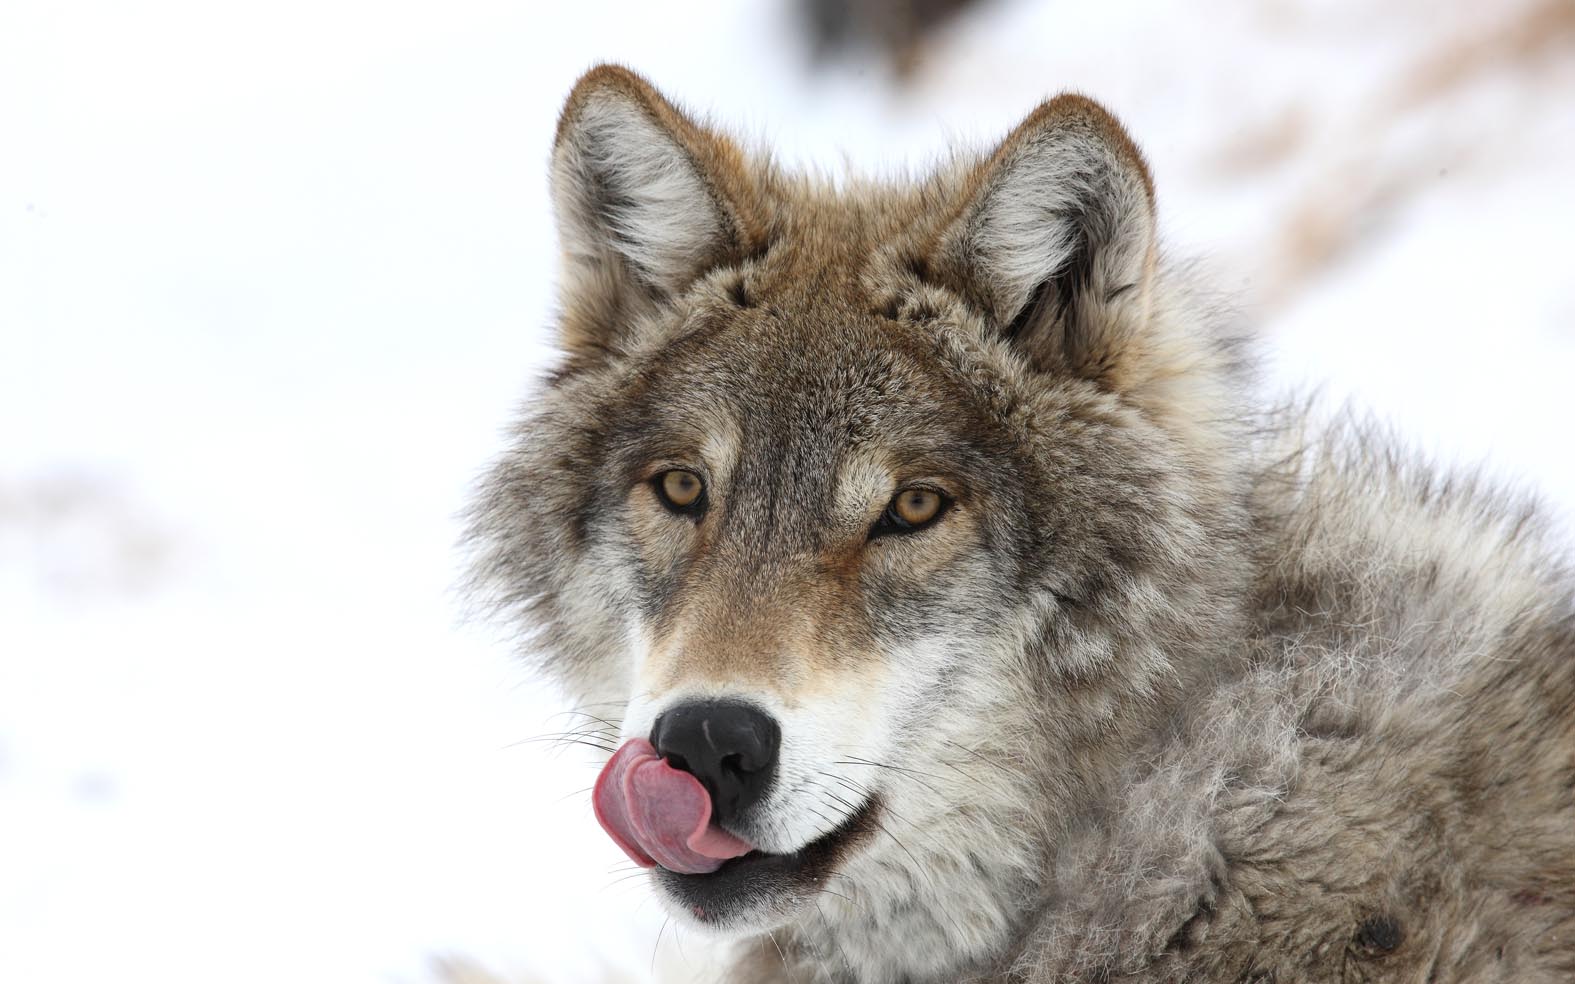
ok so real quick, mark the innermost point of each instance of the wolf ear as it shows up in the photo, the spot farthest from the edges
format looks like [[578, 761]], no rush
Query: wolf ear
[[646, 201], [1055, 240]]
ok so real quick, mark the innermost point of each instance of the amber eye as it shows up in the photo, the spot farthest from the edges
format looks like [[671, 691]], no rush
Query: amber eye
[[681, 491], [910, 510], [916, 506]]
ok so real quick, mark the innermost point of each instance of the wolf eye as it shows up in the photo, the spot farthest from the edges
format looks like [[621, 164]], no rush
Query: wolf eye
[[680, 491], [910, 510]]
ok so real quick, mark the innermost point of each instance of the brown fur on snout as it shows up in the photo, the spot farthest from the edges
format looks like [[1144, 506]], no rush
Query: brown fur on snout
[[793, 625], [795, 648]]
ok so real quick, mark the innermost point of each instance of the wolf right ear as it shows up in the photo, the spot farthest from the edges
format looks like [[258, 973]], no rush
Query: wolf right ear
[[1055, 242], [646, 200]]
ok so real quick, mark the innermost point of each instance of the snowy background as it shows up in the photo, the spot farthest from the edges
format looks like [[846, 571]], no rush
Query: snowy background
[[273, 277]]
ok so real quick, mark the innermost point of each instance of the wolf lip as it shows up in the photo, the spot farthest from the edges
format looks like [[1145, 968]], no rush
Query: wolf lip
[[742, 882], [660, 815]]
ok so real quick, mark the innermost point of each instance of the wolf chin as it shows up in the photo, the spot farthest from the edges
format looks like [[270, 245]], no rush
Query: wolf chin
[[925, 546]]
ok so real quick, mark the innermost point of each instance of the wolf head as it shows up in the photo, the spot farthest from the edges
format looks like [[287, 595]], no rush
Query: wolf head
[[885, 521]]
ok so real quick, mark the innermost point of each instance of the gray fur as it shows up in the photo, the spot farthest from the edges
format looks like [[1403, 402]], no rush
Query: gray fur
[[1188, 689]]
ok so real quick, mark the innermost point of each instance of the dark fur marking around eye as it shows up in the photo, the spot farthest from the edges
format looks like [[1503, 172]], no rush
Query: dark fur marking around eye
[[667, 484], [891, 522]]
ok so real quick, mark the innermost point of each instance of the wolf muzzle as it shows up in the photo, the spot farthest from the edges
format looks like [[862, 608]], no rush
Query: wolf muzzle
[[665, 801]]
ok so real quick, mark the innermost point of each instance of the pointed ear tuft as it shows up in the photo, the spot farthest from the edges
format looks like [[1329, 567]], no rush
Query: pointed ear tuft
[[1055, 238], [646, 199]]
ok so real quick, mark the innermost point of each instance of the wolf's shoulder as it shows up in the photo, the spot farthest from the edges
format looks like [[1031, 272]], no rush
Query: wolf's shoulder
[[1365, 546]]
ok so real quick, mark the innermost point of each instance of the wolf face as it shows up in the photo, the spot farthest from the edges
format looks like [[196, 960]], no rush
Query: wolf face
[[886, 518]]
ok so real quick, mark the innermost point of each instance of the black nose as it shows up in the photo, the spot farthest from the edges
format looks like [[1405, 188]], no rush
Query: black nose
[[730, 746]]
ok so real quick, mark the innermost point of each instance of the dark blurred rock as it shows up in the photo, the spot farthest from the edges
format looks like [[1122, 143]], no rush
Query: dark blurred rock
[[898, 30]]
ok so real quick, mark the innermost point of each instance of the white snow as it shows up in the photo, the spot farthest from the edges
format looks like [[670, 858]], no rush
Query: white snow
[[273, 276]]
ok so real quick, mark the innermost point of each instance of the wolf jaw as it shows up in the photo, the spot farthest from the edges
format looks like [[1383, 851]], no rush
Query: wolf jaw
[[981, 718]]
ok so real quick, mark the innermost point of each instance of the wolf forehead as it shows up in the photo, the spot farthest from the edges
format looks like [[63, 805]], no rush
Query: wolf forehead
[[833, 308], [799, 382]]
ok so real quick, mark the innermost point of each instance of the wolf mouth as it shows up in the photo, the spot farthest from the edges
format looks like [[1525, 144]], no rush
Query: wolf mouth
[[759, 880]]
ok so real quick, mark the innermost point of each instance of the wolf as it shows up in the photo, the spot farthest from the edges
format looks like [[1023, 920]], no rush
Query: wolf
[[954, 606]]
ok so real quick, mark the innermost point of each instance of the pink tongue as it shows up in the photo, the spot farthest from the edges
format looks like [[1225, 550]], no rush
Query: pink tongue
[[659, 814]]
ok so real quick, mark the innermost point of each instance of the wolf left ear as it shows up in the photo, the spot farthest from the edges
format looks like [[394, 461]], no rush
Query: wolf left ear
[[1055, 240], [646, 199]]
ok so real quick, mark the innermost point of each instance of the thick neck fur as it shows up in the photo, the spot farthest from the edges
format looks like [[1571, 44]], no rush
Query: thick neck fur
[[1383, 788]]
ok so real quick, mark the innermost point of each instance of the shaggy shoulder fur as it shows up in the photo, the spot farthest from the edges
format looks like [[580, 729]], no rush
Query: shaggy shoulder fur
[[1388, 793]]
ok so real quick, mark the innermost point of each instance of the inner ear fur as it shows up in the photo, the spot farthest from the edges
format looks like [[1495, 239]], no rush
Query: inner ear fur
[[1054, 240], [647, 200]]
